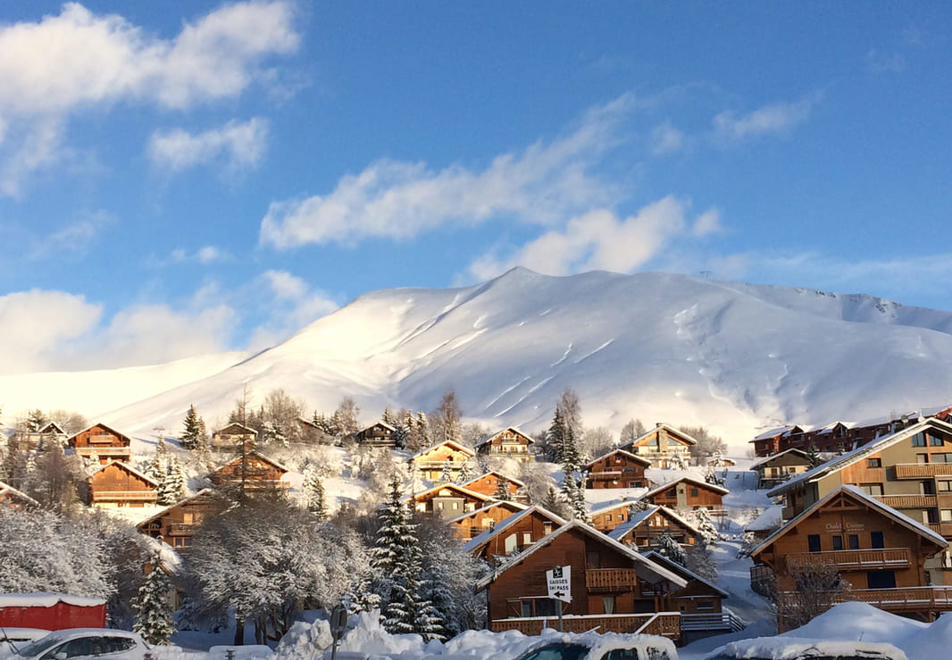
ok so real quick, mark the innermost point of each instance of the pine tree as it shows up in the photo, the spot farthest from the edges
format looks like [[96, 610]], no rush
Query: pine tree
[[153, 612], [172, 486], [314, 490], [571, 457], [446, 474], [502, 490], [574, 497], [638, 506], [422, 429], [430, 622], [555, 437], [388, 417], [668, 547], [704, 524], [156, 468], [468, 471], [193, 434], [35, 421]]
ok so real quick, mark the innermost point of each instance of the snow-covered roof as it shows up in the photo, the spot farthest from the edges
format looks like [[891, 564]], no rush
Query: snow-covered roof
[[641, 516], [517, 506], [593, 533], [508, 428], [52, 427], [870, 501], [169, 557], [596, 508], [765, 459], [19, 494], [48, 599], [858, 454], [683, 571], [619, 450], [769, 520], [257, 454], [128, 468], [380, 423], [246, 429], [101, 425], [478, 541], [204, 491], [451, 443], [691, 440], [464, 491], [772, 433], [500, 475], [690, 480]]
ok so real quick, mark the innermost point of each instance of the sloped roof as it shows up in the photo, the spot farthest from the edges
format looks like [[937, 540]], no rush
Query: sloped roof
[[683, 571], [511, 504], [593, 533], [598, 508], [769, 520], [767, 459], [245, 429], [636, 521], [416, 497], [619, 450], [202, 492], [50, 427], [7, 489], [508, 428], [772, 433], [859, 453], [128, 468], [690, 480], [380, 423], [870, 501], [478, 541], [455, 445], [108, 428], [659, 426], [256, 454], [513, 480]]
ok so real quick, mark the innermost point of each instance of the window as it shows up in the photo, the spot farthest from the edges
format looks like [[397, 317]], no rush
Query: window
[[945, 515], [945, 486], [922, 458], [881, 580], [608, 603], [608, 517], [705, 604], [526, 538], [874, 462], [526, 608], [545, 607], [872, 489], [919, 440], [935, 440], [694, 492], [510, 543], [942, 458], [926, 488], [547, 528], [813, 540], [853, 541], [876, 540], [837, 542]]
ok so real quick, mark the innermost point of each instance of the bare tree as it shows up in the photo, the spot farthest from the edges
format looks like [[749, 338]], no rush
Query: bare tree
[[707, 444], [632, 429], [447, 421], [817, 586]]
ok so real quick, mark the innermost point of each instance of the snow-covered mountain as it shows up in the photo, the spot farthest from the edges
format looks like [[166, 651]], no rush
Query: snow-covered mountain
[[659, 347]]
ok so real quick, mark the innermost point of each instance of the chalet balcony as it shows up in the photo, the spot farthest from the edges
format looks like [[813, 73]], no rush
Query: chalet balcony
[[611, 579], [124, 495], [909, 501], [878, 559], [667, 624], [182, 529], [922, 470]]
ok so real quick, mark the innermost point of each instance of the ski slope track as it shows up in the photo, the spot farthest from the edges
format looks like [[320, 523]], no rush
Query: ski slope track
[[736, 358]]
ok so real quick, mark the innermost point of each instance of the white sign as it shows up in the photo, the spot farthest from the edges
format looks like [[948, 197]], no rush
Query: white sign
[[559, 582]]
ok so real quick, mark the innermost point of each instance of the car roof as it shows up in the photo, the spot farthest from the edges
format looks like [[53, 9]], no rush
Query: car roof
[[71, 633], [781, 647]]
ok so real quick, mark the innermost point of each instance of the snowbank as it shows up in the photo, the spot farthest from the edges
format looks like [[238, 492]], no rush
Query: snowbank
[[45, 599], [793, 648]]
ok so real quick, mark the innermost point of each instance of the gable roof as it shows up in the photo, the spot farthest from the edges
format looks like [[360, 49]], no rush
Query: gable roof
[[101, 425], [619, 450], [640, 517], [255, 453], [511, 480], [451, 443], [202, 492], [245, 429], [478, 541], [859, 495], [514, 506], [591, 532], [128, 468], [464, 491], [767, 459], [52, 427], [611, 506], [7, 489], [859, 453], [687, 479], [683, 572], [489, 437], [380, 423], [658, 427]]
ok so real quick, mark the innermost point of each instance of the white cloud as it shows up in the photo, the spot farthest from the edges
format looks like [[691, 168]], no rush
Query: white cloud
[[78, 59], [389, 199], [665, 139], [207, 254], [601, 240], [879, 62], [239, 145], [775, 118], [285, 285]]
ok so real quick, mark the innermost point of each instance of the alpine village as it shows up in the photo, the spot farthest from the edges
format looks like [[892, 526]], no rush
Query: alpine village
[[437, 526]]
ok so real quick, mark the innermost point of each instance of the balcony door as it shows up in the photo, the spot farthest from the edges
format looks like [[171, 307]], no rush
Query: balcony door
[[881, 579]]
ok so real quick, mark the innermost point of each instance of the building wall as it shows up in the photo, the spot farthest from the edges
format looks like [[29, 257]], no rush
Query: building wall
[[479, 522], [488, 484], [518, 536], [616, 470]]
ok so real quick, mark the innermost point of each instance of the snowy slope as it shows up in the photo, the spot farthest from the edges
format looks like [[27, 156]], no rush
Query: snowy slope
[[733, 357]]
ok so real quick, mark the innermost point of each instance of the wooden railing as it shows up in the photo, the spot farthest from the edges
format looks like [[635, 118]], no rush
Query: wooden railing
[[148, 495], [933, 599], [921, 470], [867, 560], [182, 529], [908, 501], [661, 623], [610, 579], [712, 621]]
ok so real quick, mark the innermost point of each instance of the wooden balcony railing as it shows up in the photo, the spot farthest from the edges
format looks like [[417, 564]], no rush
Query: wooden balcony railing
[[124, 495], [933, 599], [878, 559], [661, 623], [908, 501], [922, 470], [182, 529], [610, 579]]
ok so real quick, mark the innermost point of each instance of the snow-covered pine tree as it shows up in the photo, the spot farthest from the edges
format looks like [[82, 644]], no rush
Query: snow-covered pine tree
[[638, 506], [710, 476], [571, 456], [670, 548], [446, 475], [704, 524], [156, 468], [555, 437], [388, 416], [574, 497], [314, 491], [172, 486], [153, 612], [502, 490], [423, 429], [194, 427], [468, 471]]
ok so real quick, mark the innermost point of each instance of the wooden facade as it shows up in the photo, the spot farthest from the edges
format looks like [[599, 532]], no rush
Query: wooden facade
[[644, 528], [50, 433], [442, 461], [698, 596], [380, 434], [610, 584], [471, 524], [617, 469], [873, 547], [118, 484], [514, 534], [255, 471], [508, 443], [664, 445], [779, 467], [232, 437], [177, 524], [490, 484], [688, 494], [609, 516], [101, 444], [448, 500]]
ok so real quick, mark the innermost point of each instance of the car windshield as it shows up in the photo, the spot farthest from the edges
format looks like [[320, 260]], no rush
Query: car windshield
[[558, 651], [36, 648]]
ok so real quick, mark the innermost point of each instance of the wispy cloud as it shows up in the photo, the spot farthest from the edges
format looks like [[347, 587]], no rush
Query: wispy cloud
[[545, 183], [238, 145], [880, 62], [665, 138], [44, 78], [767, 120]]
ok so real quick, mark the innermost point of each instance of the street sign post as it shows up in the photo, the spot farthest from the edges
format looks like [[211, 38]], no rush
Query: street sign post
[[338, 626], [559, 584]]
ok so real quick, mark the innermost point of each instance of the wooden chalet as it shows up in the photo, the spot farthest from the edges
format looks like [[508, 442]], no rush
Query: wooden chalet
[[688, 494], [613, 588], [471, 524], [664, 445], [508, 443], [448, 500], [232, 437], [492, 482], [380, 434], [514, 534], [773, 441], [177, 524], [878, 550], [101, 444], [441, 461], [254, 471], [644, 528], [42, 438], [910, 470], [118, 484], [15, 499], [617, 469], [776, 469], [606, 517]]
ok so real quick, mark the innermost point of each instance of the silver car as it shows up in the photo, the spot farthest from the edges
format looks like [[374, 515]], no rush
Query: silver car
[[87, 643]]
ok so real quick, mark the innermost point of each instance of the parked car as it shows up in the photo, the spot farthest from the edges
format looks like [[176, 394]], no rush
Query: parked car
[[799, 648], [83, 643], [13, 638], [606, 646]]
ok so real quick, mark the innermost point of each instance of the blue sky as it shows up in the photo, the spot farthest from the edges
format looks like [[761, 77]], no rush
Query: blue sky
[[183, 178]]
